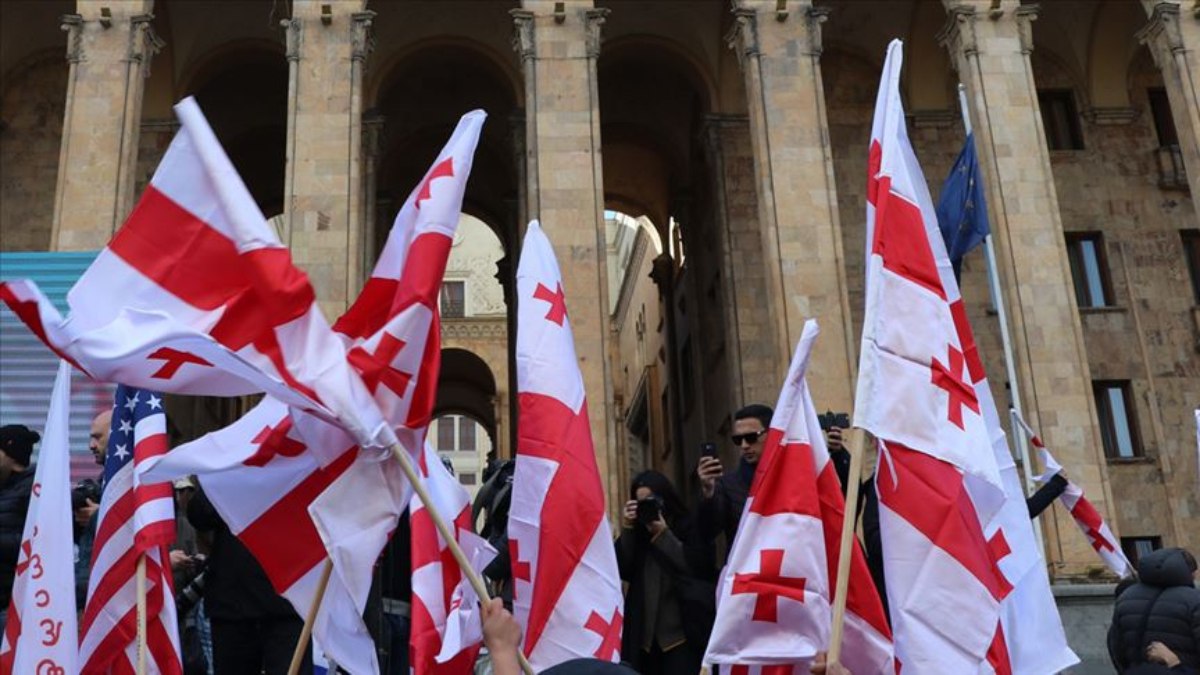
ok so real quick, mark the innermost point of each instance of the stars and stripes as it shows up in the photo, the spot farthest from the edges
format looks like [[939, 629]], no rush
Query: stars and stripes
[[135, 520]]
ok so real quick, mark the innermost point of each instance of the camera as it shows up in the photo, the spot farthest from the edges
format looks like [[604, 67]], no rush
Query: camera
[[649, 510], [830, 419], [83, 491], [191, 593]]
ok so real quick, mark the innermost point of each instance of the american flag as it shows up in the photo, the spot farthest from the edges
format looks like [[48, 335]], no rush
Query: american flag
[[135, 520]]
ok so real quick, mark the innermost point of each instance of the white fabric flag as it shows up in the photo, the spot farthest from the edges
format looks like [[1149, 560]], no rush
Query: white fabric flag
[[41, 635]]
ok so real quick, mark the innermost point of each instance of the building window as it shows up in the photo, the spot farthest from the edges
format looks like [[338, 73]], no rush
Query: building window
[[1060, 119], [1136, 547], [453, 299], [1191, 253], [1118, 427], [466, 434], [467, 479], [1089, 269], [445, 434], [1160, 111]]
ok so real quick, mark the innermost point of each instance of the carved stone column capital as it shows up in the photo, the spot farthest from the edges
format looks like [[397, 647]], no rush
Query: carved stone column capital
[[594, 20], [72, 25], [743, 35], [144, 43], [523, 42], [362, 42], [1025, 16], [1161, 33], [293, 30], [814, 17], [958, 34]]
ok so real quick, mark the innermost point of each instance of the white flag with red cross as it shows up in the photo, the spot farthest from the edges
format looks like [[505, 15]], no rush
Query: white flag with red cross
[[1089, 520], [566, 588], [937, 479], [307, 503], [41, 635], [776, 592], [195, 294], [446, 628]]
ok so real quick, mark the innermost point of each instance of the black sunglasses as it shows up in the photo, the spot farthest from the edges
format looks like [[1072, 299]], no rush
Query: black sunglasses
[[749, 439]]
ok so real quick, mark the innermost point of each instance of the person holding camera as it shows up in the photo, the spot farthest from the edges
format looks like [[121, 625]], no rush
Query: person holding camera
[[666, 618], [723, 495]]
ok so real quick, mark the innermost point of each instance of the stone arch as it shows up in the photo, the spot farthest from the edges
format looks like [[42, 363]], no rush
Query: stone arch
[[31, 122], [467, 386], [384, 75], [682, 60]]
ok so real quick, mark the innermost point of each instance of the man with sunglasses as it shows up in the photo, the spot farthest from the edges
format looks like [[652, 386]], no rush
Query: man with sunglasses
[[722, 496]]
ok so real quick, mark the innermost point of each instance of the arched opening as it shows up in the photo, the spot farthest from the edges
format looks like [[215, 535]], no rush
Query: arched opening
[[464, 428]]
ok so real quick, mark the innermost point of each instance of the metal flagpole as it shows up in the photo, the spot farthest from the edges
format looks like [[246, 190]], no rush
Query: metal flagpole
[[1009, 362]]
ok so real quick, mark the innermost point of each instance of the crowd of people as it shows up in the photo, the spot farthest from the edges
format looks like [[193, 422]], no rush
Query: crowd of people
[[232, 621]]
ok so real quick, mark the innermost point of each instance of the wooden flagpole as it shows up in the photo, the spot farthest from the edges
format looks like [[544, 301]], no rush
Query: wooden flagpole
[[306, 632], [141, 615], [846, 547], [447, 534]]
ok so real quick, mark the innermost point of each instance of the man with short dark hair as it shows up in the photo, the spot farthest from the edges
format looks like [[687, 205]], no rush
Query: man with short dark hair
[[16, 488], [723, 496]]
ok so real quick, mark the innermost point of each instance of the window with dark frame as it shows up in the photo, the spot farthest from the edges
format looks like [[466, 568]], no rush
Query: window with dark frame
[[445, 434], [466, 434], [1089, 269], [1118, 424], [1191, 253], [1136, 547], [1164, 123], [453, 300], [1060, 119]]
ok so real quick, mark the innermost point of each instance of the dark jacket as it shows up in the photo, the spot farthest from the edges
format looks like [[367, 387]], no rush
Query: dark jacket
[[868, 510], [722, 512], [671, 596], [236, 588], [14, 504], [1045, 496], [1163, 606]]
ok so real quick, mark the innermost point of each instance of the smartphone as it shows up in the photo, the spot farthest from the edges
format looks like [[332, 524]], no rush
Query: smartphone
[[708, 449]]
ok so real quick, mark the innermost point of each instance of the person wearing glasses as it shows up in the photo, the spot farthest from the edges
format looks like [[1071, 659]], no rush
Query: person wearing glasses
[[723, 494]]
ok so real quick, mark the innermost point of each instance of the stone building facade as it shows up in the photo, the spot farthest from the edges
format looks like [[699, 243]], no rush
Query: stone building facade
[[738, 131]]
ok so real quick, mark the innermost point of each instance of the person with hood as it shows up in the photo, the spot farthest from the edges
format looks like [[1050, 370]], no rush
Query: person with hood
[[16, 488], [669, 604], [1156, 621]]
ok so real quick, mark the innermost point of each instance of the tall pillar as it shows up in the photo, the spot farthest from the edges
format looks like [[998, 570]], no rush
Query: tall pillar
[[989, 46], [780, 52], [109, 48], [327, 44], [565, 189], [1174, 42]]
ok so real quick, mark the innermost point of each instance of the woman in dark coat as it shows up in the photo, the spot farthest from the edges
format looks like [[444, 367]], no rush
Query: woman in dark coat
[[1159, 613], [669, 604]]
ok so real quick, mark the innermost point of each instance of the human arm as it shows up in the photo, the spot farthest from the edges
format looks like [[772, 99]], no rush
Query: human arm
[[1045, 496], [502, 637]]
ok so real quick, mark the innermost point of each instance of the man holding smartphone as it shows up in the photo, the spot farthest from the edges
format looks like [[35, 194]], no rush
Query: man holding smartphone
[[723, 494]]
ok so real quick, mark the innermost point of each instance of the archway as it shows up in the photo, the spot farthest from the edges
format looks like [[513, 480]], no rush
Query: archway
[[464, 428]]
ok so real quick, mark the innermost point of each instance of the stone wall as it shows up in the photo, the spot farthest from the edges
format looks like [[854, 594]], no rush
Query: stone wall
[[31, 113]]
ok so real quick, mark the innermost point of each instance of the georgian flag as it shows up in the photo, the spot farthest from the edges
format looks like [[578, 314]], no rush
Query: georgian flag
[[937, 479], [776, 591], [1089, 520], [195, 294], [566, 588], [309, 478]]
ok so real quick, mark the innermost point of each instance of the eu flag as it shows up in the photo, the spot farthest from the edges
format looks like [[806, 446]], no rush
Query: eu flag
[[962, 207]]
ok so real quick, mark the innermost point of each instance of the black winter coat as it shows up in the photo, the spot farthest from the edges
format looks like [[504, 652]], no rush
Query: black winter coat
[[14, 504], [1164, 605]]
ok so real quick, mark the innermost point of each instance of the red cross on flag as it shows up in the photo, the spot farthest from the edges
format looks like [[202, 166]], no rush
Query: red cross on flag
[[571, 605], [937, 478], [309, 478], [195, 294], [446, 628], [41, 634], [1089, 520], [775, 593]]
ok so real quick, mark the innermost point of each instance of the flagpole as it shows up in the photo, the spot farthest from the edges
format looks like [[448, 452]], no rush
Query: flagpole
[[310, 619], [141, 614], [448, 536], [1010, 366], [846, 547]]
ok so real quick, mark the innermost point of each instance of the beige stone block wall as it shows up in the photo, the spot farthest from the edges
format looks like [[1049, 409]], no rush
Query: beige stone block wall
[[29, 149]]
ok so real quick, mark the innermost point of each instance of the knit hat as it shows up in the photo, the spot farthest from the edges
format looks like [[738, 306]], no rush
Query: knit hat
[[16, 441]]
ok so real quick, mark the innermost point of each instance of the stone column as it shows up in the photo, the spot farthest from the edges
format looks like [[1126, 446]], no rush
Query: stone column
[[372, 130], [990, 46], [1174, 42], [327, 44], [109, 48], [797, 201], [565, 188]]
